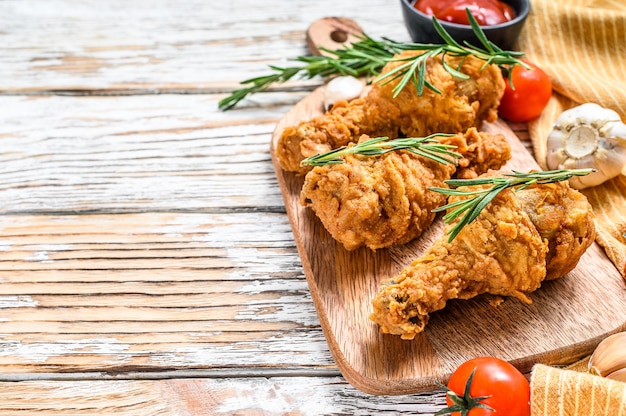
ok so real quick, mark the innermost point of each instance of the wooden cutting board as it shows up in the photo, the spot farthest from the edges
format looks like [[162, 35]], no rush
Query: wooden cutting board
[[566, 320]]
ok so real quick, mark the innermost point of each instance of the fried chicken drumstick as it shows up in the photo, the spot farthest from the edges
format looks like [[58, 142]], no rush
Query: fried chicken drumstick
[[462, 103], [520, 239], [380, 201]]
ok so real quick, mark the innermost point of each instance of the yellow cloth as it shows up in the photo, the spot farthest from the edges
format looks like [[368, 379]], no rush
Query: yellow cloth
[[565, 392], [581, 45]]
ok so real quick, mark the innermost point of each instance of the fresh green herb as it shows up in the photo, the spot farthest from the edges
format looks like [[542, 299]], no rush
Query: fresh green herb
[[470, 208], [367, 57], [424, 146], [414, 68]]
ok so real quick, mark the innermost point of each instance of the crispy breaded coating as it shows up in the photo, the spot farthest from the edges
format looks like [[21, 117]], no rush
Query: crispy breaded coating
[[462, 103], [481, 152], [376, 201], [564, 219], [384, 200], [520, 239]]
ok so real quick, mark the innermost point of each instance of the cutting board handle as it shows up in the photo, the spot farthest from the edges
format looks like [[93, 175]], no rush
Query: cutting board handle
[[332, 33]]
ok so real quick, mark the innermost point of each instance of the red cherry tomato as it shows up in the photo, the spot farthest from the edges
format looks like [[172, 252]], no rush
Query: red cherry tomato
[[532, 92], [495, 385]]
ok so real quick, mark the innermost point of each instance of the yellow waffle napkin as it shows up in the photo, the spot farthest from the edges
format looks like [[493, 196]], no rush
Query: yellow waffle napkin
[[565, 392], [581, 45]]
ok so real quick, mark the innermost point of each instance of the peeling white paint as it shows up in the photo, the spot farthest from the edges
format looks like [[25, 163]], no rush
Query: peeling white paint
[[5, 245], [281, 310], [279, 285], [41, 352], [252, 261], [248, 228], [173, 235], [270, 397], [308, 347], [40, 257], [41, 254], [18, 301]]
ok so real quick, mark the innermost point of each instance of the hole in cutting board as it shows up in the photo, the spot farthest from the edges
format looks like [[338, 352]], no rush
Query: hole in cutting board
[[339, 36]]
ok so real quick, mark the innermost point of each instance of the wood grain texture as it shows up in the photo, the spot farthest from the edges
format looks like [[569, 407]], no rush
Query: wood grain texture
[[566, 320], [146, 233], [136, 154], [156, 292], [298, 395], [149, 47], [147, 265]]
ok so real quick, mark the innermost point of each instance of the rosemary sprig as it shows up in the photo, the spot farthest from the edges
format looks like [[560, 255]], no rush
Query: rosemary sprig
[[414, 68], [424, 146], [367, 57], [471, 208]]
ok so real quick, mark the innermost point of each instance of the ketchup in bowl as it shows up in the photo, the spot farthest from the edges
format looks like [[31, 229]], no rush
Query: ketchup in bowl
[[486, 12]]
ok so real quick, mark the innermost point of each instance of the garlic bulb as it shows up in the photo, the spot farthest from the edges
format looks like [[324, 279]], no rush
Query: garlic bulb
[[588, 136], [342, 88], [609, 358]]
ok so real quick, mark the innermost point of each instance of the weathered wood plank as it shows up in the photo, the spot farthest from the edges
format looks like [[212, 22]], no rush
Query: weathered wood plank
[[142, 234], [147, 47], [169, 291], [135, 154], [305, 396]]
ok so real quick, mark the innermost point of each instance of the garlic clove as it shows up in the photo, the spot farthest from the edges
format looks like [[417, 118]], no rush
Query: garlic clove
[[619, 375], [614, 129], [609, 356], [342, 88]]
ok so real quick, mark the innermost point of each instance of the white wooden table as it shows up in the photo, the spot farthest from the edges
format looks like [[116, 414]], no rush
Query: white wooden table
[[147, 266]]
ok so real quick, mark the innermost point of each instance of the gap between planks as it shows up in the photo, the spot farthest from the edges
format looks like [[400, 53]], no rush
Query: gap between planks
[[245, 372]]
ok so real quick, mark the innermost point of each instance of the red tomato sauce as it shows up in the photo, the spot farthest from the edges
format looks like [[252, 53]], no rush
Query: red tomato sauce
[[486, 12]]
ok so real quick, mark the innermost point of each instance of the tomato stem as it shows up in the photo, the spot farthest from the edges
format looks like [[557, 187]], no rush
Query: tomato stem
[[463, 404]]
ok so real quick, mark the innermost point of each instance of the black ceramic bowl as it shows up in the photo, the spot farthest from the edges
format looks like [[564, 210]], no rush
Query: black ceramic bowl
[[421, 29]]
